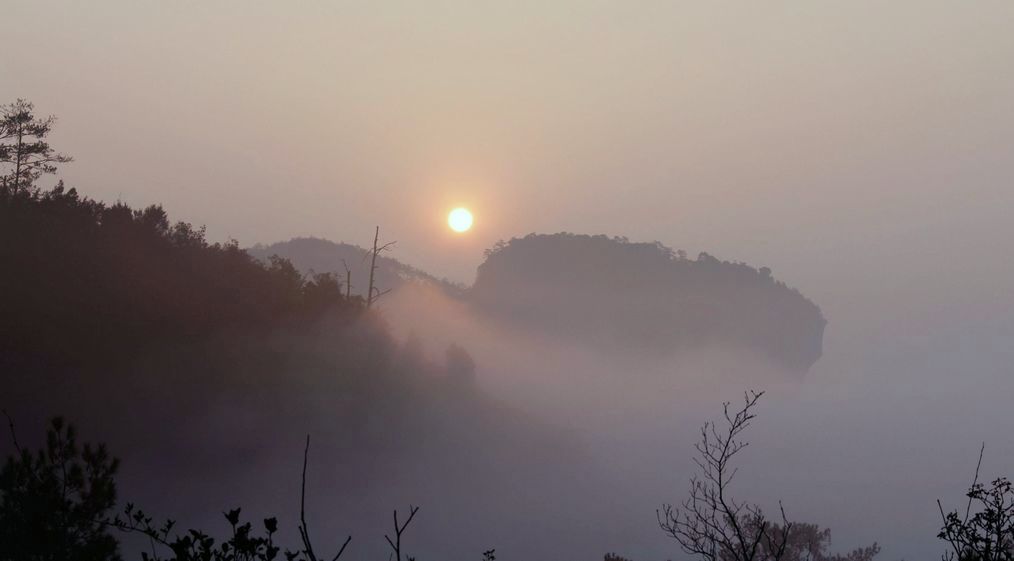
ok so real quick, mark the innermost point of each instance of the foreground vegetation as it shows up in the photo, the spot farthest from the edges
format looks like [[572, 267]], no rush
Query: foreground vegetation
[[58, 504]]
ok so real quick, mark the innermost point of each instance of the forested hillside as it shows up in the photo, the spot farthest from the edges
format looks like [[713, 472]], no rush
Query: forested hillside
[[607, 293], [645, 297], [90, 280], [188, 345]]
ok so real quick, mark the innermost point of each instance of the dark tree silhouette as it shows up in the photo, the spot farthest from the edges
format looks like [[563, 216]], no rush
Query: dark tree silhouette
[[712, 524], [985, 532], [373, 293], [716, 527], [196, 545], [54, 502], [55, 505], [23, 146], [96, 279], [348, 279]]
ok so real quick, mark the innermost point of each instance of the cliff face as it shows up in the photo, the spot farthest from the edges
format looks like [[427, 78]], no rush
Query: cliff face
[[645, 297]]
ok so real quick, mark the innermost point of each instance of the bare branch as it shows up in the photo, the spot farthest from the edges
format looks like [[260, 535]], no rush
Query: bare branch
[[372, 292], [304, 531], [975, 480], [348, 280], [14, 434], [342, 550], [399, 529], [712, 524]]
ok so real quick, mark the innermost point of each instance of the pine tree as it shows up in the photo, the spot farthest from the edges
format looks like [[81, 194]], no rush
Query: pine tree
[[23, 147]]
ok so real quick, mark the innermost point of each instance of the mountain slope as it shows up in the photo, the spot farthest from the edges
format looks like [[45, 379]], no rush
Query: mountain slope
[[609, 293], [645, 297], [324, 256]]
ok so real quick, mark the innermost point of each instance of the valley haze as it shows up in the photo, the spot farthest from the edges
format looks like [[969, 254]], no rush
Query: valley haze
[[674, 203]]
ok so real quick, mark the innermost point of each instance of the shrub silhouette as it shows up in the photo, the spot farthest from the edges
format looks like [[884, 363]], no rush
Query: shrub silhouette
[[985, 531], [55, 505]]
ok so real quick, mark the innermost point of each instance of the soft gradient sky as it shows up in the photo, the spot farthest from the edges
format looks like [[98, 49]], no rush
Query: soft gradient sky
[[776, 132], [862, 150]]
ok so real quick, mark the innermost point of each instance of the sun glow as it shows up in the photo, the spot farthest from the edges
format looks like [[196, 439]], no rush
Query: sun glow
[[460, 220]]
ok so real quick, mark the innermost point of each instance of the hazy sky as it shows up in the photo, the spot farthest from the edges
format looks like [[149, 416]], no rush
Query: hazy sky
[[862, 150], [780, 133]]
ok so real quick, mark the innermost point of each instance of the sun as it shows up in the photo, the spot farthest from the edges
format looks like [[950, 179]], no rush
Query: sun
[[460, 219]]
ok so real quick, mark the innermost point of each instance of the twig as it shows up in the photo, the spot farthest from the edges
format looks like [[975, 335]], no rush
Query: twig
[[304, 531], [372, 293], [342, 550], [14, 434], [975, 480]]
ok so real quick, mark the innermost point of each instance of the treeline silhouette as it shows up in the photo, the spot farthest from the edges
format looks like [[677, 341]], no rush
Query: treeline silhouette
[[107, 307], [86, 281]]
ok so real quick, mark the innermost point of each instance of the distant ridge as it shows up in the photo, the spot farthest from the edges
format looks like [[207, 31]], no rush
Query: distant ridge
[[608, 292], [316, 255]]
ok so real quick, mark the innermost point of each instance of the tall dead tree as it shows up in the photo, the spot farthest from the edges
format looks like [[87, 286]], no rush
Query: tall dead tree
[[348, 280], [711, 524], [373, 293]]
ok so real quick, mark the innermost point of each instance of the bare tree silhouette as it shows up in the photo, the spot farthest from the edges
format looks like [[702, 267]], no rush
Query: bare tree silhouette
[[373, 293], [304, 531], [348, 280], [712, 524], [399, 529]]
